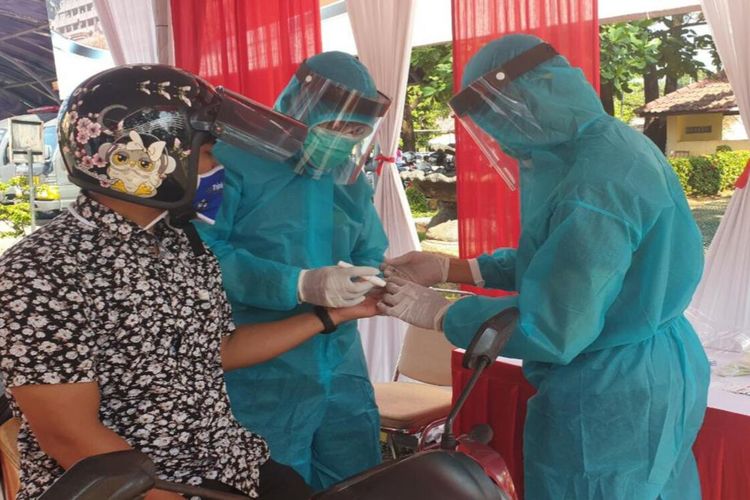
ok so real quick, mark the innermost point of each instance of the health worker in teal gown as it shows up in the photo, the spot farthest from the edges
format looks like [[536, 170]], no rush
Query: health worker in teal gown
[[282, 229], [608, 259]]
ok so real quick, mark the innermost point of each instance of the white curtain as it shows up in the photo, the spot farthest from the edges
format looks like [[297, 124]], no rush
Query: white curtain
[[720, 310], [383, 32], [132, 32]]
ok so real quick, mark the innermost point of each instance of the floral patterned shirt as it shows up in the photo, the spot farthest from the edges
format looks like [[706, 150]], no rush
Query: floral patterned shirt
[[92, 297]]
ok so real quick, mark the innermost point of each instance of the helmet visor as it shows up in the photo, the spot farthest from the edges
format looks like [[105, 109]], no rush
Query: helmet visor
[[251, 126]]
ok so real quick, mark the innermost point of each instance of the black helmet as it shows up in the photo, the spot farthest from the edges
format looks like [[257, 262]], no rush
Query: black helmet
[[133, 132]]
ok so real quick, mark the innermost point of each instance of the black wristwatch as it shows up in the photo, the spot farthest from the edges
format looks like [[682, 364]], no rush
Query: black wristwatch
[[325, 318]]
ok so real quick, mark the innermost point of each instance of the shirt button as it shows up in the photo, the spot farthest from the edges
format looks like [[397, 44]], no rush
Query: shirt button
[[204, 295], [153, 251]]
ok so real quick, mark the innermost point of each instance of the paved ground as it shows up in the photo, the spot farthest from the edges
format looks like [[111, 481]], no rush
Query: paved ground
[[708, 213]]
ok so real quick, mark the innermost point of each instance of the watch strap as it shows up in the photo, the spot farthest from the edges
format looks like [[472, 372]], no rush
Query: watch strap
[[325, 318]]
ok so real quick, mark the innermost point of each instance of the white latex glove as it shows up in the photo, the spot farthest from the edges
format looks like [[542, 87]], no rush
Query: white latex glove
[[415, 304], [335, 286], [423, 268]]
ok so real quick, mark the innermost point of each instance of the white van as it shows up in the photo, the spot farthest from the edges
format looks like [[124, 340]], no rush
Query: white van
[[56, 191]]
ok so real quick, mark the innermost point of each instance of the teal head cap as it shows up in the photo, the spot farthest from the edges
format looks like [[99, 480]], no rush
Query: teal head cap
[[544, 102]]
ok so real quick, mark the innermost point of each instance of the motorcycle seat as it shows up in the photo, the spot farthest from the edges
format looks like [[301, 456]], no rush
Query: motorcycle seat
[[436, 475]]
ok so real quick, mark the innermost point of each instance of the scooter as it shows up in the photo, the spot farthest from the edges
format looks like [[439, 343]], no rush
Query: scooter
[[463, 467]]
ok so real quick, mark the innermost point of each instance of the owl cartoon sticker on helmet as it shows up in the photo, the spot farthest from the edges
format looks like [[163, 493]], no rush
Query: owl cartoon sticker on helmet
[[135, 168]]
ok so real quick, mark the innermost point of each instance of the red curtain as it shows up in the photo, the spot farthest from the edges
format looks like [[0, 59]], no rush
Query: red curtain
[[250, 46], [488, 212]]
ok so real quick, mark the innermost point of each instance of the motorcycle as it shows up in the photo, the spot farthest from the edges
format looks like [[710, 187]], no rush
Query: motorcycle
[[462, 467]]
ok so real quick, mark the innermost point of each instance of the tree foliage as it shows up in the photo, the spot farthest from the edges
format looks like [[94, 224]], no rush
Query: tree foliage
[[429, 89], [663, 48], [626, 50], [679, 48]]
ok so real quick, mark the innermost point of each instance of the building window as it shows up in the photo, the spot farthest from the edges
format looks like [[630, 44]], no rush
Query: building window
[[706, 129]]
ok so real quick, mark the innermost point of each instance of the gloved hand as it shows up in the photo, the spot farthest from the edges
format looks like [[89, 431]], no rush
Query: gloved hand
[[423, 268], [415, 304], [335, 286]]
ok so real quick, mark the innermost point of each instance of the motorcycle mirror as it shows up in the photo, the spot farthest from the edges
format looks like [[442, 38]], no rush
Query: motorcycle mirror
[[490, 339], [486, 345], [120, 475]]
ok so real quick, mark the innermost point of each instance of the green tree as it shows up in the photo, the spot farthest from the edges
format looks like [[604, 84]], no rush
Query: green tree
[[626, 50], [661, 49], [679, 47], [429, 89], [627, 106], [677, 59]]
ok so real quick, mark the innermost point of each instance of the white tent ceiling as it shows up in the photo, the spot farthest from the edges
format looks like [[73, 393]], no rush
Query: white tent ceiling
[[433, 19]]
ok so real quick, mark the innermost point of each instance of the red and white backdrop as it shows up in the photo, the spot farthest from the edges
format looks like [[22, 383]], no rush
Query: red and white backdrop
[[488, 213], [250, 47]]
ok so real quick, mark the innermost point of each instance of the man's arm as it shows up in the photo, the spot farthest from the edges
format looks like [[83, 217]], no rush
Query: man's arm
[[65, 421], [252, 344]]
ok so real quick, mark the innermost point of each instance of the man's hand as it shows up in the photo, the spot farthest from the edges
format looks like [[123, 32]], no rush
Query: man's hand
[[365, 309]]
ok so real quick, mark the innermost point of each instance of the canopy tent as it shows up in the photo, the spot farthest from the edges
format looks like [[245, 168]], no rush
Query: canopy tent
[[27, 69], [26, 74]]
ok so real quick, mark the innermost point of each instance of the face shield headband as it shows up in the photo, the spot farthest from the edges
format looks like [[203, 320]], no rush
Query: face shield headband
[[493, 91]]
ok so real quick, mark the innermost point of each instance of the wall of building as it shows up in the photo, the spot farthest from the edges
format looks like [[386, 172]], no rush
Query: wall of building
[[699, 134], [74, 17]]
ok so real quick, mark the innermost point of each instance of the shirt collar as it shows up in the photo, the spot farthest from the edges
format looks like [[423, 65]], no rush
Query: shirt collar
[[93, 213]]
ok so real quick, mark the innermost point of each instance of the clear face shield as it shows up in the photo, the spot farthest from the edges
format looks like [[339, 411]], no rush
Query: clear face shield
[[343, 124], [493, 102], [251, 126]]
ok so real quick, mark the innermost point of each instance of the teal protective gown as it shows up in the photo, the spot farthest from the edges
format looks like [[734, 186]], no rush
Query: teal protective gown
[[315, 404], [608, 259]]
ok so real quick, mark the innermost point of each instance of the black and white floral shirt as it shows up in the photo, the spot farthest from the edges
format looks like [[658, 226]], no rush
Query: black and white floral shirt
[[92, 297]]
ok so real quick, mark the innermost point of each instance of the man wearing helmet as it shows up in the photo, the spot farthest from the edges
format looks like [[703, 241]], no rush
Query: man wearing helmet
[[115, 331]]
